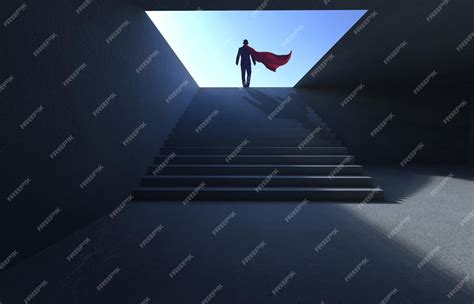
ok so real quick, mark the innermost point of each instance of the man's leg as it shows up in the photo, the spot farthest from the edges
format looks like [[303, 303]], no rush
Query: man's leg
[[249, 73], [242, 68]]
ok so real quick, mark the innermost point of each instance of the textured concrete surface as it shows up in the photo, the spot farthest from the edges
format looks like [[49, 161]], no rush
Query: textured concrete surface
[[93, 114], [425, 258]]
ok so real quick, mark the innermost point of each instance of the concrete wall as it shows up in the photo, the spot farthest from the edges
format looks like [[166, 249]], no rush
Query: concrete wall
[[36, 185], [416, 119]]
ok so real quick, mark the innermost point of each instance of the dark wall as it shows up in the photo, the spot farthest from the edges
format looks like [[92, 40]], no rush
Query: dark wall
[[65, 110], [416, 119]]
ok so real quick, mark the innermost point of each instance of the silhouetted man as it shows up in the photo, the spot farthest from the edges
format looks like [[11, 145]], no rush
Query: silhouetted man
[[245, 65]]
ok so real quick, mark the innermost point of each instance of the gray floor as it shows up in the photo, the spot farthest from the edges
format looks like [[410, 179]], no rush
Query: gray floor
[[429, 252]]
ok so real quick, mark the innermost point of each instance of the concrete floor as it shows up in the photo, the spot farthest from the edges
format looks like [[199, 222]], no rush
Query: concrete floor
[[430, 251]]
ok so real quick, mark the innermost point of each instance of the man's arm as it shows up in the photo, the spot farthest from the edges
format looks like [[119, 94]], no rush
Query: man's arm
[[237, 58], [254, 63]]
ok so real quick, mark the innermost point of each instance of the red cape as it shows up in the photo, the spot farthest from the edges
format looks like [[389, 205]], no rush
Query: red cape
[[270, 60]]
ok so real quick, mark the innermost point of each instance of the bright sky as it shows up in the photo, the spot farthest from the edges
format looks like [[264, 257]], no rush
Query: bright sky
[[206, 42]]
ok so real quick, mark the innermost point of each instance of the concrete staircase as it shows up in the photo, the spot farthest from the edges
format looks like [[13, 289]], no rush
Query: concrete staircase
[[226, 148]]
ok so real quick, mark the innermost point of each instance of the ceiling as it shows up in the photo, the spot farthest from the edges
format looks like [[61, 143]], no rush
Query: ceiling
[[424, 46]]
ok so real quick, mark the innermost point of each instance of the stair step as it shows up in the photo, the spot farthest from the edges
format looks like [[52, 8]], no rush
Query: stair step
[[192, 122], [267, 130], [222, 194], [259, 159], [241, 149], [254, 150], [254, 180], [224, 142], [261, 134], [235, 169]]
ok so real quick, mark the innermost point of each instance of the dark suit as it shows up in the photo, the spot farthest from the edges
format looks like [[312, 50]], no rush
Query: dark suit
[[245, 65]]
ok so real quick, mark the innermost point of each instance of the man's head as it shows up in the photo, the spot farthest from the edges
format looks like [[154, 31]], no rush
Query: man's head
[[246, 42]]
